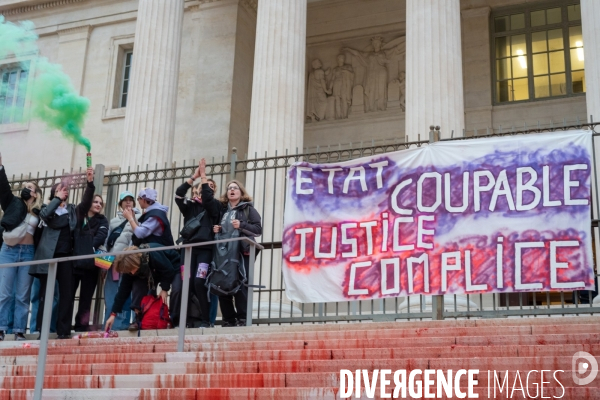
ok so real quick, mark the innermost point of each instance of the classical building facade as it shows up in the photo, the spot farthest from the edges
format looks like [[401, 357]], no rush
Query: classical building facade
[[175, 80]]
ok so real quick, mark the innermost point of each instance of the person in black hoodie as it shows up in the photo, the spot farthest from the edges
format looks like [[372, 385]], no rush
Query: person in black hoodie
[[202, 201], [237, 212], [19, 222], [141, 272], [95, 226], [60, 221]]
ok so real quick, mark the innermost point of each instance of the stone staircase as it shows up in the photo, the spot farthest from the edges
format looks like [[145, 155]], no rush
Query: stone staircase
[[303, 361]]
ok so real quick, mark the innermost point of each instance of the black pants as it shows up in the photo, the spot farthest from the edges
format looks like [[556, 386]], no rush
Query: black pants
[[231, 313], [199, 255], [202, 294], [64, 277], [89, 281]]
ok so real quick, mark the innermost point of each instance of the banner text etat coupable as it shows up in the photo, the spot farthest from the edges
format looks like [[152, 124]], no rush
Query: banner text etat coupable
[[471, 216]]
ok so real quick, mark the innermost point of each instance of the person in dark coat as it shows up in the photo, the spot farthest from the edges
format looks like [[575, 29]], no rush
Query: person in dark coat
[[237, 212], [202, 201], [19, 222], [141, 272], [60, 221], [94, 224]]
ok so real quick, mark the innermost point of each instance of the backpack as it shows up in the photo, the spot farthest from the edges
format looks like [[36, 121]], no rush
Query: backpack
[[154, 314], [196, 231], [227, 273]]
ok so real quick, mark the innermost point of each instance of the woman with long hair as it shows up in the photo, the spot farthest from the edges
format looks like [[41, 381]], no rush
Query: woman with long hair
[[95, 225], [237, 212], [20, 219], [60, 221]]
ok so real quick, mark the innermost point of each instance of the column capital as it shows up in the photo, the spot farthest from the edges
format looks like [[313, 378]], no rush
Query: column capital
[[476, 12]]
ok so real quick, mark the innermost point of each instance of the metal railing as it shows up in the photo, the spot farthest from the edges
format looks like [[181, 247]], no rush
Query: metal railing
[[45, 329], [266, 175]]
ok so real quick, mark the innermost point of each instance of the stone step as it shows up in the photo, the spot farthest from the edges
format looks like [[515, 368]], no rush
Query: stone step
[[271, 368], [395, 348], [263, 380], [112, 358], [328, 393], [189, 362], [109, 347], [14, 348], [332, 379], [69, 365]]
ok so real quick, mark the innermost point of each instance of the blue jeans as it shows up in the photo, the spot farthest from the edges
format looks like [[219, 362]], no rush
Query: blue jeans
[[122, 320], [11, 315], [15, 282], [35, 304]]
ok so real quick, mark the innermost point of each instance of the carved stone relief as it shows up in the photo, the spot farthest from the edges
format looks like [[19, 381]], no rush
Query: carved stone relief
[[363, 81]]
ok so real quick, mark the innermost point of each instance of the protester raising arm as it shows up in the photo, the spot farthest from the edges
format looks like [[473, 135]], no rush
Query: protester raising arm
[[88, 196]]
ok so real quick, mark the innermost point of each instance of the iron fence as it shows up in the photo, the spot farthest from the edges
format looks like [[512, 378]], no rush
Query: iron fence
[[265, 179]]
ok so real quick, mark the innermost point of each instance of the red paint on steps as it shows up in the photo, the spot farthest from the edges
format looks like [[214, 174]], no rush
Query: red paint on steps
[[51, 382], [168, 394], [532, 340]]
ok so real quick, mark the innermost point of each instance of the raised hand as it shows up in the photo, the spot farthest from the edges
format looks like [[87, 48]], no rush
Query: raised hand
[[128, 214], [90, 174], [201, 167], [61, 192]]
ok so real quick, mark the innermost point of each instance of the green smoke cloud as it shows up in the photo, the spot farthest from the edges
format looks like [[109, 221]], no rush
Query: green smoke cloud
[[53, 98]]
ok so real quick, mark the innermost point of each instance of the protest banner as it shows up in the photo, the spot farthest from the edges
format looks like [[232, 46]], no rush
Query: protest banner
[[504, 214]]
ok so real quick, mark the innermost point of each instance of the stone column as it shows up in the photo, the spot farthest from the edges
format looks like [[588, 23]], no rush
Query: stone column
[[434, 88], [590, 11], [152, 100], [276, 119], [276, 124], [434, 79]]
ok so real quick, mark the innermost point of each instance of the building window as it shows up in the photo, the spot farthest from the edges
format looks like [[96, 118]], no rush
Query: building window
[[538, 53], [128, 56], [12, 93]]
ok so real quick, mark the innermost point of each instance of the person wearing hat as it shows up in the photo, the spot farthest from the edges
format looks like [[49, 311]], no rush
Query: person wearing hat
[[153, 226], [119, 237]]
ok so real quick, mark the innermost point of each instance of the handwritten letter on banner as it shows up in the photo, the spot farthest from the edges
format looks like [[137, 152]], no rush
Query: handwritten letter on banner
[[509, 214]]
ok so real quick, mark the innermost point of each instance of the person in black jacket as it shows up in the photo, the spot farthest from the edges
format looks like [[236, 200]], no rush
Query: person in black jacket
[[237, 212], [141, 272], [95, 226], [19, 221], [202, 201], [60, 221]]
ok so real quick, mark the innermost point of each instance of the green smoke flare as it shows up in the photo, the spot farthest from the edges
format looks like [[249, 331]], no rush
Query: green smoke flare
[[53, 98]]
